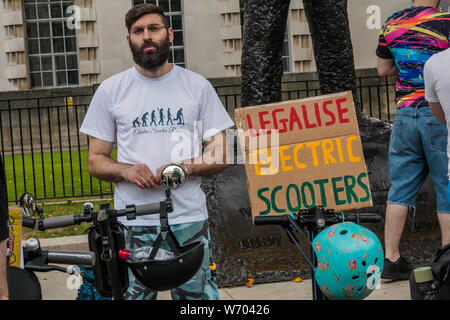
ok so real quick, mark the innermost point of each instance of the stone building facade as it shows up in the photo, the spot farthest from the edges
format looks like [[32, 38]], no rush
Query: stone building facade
[[57, 43]]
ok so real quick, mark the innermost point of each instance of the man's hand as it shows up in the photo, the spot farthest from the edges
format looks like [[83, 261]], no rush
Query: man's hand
[[141, 176], [159, 172], [438, 112], [103, 167]]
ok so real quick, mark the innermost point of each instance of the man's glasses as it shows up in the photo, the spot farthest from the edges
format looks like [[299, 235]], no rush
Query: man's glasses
[[152, 28]]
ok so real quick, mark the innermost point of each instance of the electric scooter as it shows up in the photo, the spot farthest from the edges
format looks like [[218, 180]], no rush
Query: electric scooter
[[106, 238]]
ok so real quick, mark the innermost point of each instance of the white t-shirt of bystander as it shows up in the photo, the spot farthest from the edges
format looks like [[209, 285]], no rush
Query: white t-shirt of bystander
[[437, 86], [156, 121]]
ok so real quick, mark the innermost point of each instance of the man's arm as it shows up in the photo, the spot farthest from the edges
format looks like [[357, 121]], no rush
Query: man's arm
[[438, 112], [386, 67], [211, 162], [213, 159], [102, 166], [3, 271], [430, 92]]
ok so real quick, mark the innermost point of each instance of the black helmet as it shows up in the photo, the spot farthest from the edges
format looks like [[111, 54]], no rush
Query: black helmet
[[162, 275]]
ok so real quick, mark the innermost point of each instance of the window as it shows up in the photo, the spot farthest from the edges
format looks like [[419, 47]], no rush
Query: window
[[285, 51], [285, 54], [173, 11], [232, 45], [51, 43]]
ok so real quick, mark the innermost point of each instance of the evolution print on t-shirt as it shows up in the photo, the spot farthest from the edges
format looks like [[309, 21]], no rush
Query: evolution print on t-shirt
[[159, 120]]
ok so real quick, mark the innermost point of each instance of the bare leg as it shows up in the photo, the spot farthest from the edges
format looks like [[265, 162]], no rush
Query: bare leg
[[3, 272], [444, 222], [393, 229]]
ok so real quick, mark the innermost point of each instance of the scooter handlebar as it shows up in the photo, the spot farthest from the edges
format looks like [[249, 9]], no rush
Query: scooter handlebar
[[28, 222], [79, 258], [59, 222], [281, 220], [149, 208], [362, 217]]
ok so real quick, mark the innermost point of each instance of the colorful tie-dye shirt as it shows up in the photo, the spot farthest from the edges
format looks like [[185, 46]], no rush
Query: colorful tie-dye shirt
[[411, 37]]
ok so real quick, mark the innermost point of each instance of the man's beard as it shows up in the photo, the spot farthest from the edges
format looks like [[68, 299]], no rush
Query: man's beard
[[151, 60]]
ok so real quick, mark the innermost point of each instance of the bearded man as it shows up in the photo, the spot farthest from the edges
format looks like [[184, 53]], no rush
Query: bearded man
[[154, 84]]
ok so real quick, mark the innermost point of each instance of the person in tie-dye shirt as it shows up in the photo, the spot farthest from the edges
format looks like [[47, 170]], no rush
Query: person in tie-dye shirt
[[410, 37], [418, 141]]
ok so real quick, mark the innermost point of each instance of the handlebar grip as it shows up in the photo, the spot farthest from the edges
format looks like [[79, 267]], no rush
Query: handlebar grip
[[28, 222], [369, 217], [79, 258], [362, 217], [282, 220], [149, 208], [57, 222]]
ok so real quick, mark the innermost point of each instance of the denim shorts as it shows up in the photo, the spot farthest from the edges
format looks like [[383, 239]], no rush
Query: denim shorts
[[418, 146], [200, 287]]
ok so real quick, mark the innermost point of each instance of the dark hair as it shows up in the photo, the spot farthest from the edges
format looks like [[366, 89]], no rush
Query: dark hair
[[135, 13]]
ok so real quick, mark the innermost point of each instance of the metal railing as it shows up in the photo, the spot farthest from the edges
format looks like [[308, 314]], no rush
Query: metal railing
[[44, 153], [375, 95]]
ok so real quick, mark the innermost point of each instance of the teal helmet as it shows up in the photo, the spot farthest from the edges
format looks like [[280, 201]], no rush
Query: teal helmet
[[349, 261]]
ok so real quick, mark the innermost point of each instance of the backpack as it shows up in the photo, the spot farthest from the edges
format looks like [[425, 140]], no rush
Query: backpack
[[440, 287]]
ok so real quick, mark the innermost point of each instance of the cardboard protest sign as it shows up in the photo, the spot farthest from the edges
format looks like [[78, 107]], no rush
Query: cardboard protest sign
[[303, 153]]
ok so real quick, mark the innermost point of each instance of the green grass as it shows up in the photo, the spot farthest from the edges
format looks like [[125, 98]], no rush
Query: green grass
[[56, 170], [53, 175]]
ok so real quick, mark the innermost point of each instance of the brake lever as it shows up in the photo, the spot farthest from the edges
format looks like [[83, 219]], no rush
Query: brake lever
[[331, 219], [298, 229], [46, 268]]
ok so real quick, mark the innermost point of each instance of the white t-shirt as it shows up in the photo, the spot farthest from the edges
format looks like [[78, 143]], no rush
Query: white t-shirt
[[437, 86], [156, 122]]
